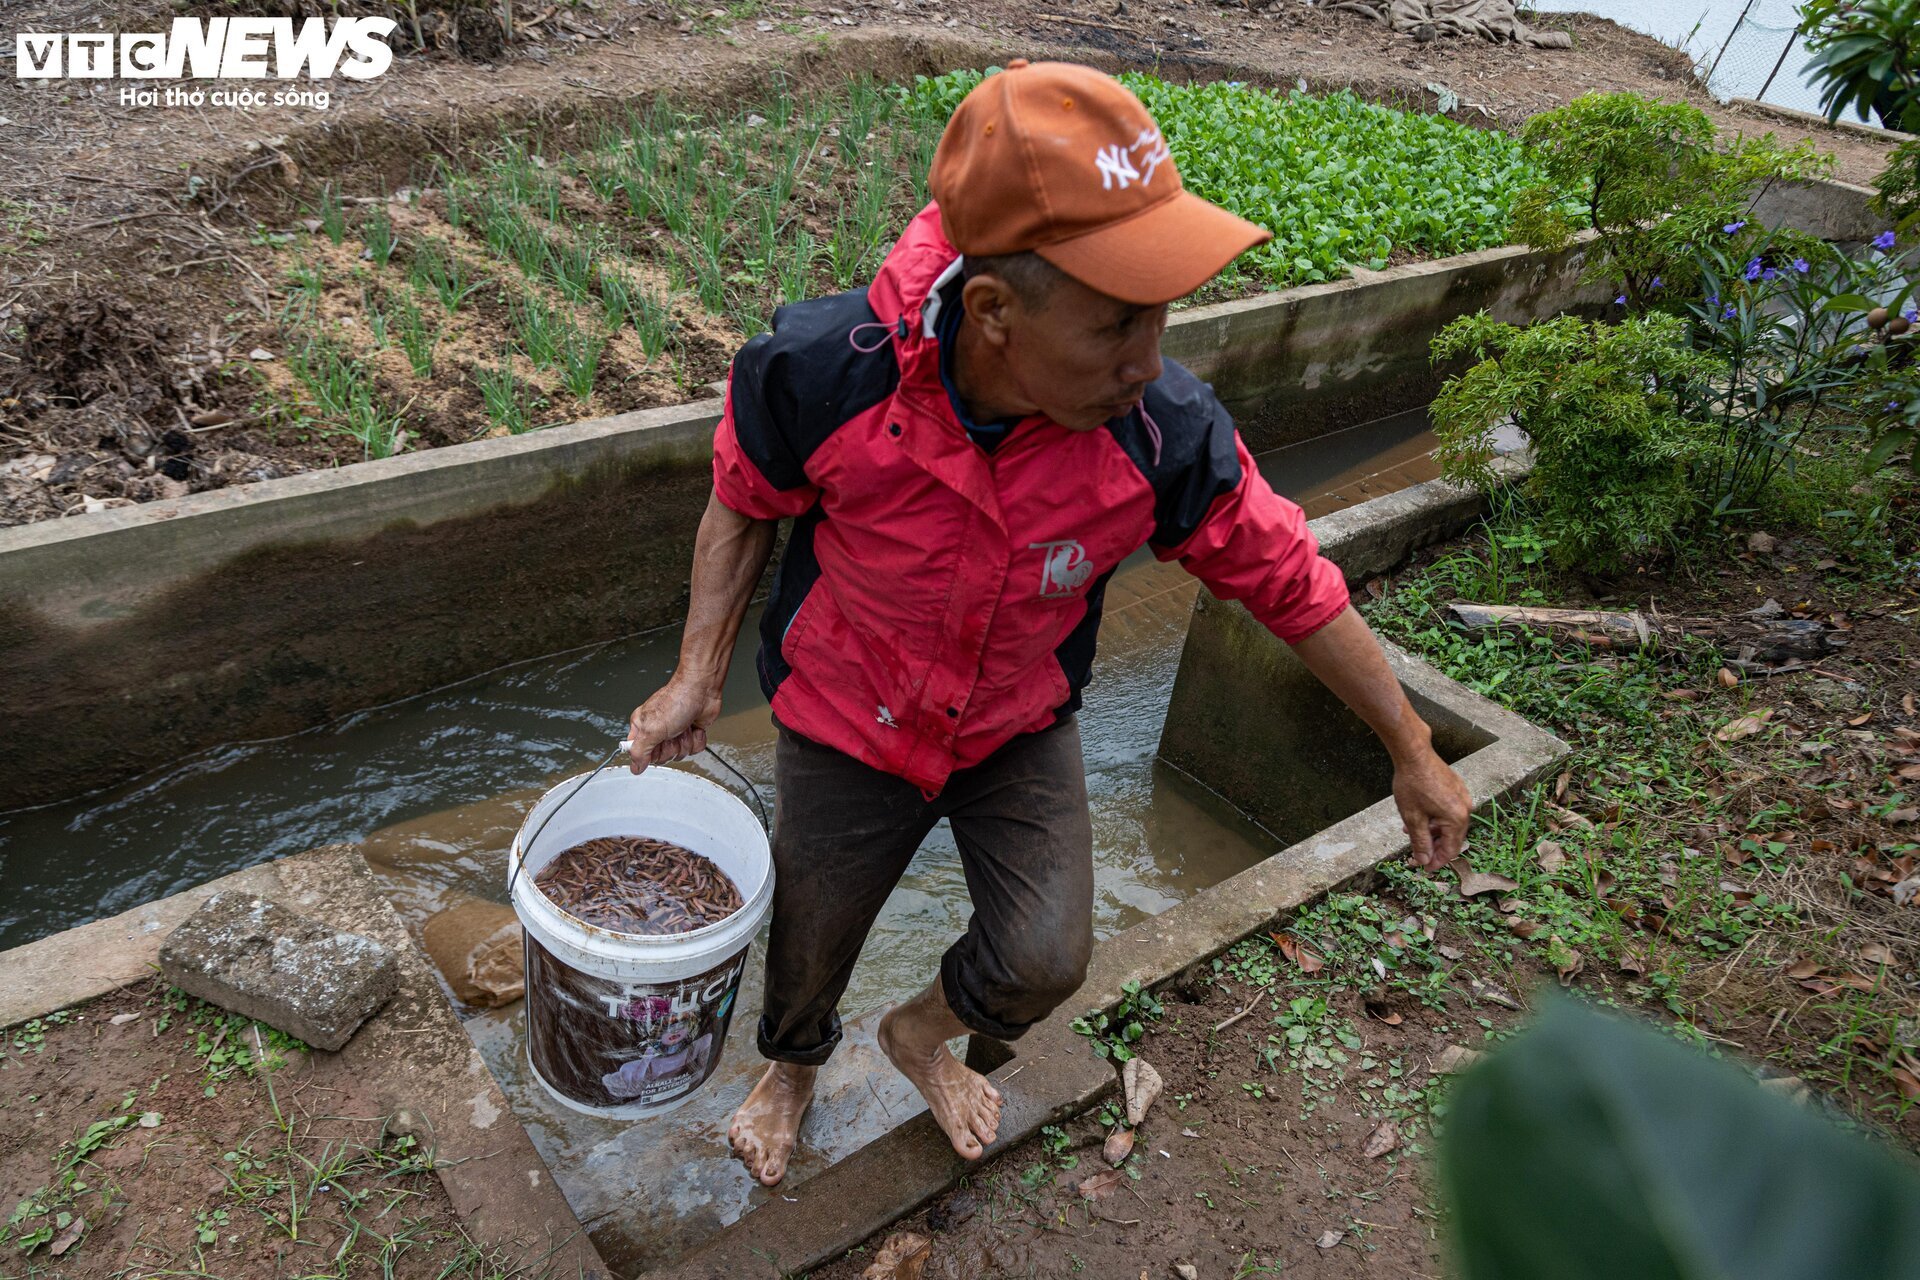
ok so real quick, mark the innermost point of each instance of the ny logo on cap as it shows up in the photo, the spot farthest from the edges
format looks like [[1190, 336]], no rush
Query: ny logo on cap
[[1116, 162]]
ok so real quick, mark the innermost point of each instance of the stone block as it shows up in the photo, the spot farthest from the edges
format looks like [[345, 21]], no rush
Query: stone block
[[293, 973]]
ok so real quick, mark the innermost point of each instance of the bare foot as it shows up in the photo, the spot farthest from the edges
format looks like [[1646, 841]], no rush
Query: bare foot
[[914, 1036], [767, 1124]]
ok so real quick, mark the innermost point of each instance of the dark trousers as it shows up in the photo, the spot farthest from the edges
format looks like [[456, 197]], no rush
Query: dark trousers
[[843, 834]]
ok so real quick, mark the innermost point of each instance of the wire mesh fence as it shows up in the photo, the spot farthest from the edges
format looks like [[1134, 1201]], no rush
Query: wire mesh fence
[[1750, 61]]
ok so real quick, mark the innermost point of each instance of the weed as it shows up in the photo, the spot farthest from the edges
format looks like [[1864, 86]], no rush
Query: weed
[[416, 339], [346, 398], [437, 267], [541, 329], [332, 214], [1114, 1035], [303, 299], [580, 360], [502, 396], [378, 235]]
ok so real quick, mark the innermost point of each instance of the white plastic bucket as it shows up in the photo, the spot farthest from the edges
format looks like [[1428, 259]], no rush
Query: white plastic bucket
[[620, 1025]]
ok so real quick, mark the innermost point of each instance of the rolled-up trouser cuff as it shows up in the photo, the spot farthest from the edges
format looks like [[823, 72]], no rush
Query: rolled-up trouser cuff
[[813, 1057], [966, 1006]]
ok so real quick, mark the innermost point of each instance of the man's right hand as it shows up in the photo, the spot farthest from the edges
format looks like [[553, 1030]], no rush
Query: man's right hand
[[672, 724]]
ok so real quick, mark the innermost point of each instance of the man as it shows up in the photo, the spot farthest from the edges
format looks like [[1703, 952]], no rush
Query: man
[[968, 448]]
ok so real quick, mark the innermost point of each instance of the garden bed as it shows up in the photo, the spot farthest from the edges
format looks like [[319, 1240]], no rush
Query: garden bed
[[541, 285]]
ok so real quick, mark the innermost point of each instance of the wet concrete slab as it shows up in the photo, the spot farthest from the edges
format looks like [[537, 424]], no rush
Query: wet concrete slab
[[651, 1190]]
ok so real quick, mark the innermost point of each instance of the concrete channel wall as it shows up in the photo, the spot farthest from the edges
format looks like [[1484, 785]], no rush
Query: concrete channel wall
[[136, 636]]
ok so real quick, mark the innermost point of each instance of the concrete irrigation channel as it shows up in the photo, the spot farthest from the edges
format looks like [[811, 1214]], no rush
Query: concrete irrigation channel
[[301, 606]]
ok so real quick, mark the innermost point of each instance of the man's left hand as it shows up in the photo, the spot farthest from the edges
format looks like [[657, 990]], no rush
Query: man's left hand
[[1434, 807]]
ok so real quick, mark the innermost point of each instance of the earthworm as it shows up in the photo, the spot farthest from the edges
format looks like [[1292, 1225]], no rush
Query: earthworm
[[638, 885]]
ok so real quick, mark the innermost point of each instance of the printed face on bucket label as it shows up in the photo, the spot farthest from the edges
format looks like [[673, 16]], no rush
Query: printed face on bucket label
[[623, 1046], [212, 49]]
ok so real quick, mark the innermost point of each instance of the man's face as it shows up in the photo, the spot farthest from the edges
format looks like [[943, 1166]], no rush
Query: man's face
[[1076, 355]]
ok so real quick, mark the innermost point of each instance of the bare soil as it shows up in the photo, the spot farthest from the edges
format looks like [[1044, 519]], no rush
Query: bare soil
[[139, 271], [145, 1134], [1220, 1178]]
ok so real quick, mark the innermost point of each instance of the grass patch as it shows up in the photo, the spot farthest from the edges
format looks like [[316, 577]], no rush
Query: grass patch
[[1719, 879]]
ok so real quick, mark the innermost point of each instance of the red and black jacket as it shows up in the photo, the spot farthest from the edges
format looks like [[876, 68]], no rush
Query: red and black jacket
[[936, 599]]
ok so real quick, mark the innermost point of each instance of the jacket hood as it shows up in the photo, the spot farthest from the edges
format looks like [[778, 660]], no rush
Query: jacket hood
[[917, 266]]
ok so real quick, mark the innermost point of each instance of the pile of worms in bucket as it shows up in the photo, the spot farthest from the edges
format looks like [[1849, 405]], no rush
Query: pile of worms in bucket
[[633, 884]]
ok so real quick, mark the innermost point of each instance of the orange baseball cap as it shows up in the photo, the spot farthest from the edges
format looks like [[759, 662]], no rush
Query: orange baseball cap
[[1064, 161]]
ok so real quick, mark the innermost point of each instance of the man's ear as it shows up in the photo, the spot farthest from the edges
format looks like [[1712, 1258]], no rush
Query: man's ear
[[992, 305]]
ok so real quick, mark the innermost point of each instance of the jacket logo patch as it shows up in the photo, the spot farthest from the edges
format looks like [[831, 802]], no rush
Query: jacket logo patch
[[1064, 567]]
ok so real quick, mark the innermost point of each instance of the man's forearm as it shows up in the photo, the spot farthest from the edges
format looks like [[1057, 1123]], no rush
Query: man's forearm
[[729, 555], [1346, 657]]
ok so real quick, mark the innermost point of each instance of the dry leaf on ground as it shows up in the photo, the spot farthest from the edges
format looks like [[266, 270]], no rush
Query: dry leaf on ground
[[1875, 953], [1119, 1146], [1096, 1185], [1329, 1238], [1455, 1057], [1298, 952], [1142, 1085], [1745, 726], [68, 1238], [1474, 882], [1550, 854], [1382, 1140], [900, 1258]]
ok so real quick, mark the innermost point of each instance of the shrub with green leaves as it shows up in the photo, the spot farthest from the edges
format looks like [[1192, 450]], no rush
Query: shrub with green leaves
[[1866, 53], [1338, 180], [1896, 192], [1614, 456], [1800, 359], [1651, 178]]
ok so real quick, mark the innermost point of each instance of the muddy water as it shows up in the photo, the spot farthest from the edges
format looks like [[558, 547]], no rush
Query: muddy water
[[438, 782]]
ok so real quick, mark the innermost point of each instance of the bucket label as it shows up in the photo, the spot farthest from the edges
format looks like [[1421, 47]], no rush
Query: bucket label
[[607, 1043]]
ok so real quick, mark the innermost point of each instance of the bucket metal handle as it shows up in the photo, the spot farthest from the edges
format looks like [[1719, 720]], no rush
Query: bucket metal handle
[[618, 748]]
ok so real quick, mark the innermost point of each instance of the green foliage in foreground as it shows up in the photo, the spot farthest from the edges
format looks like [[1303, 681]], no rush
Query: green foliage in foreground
[[1589, 1148], [1338, 180]]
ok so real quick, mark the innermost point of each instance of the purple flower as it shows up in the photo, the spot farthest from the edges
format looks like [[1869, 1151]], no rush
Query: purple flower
[[1728, 313], [1884, 240], [1656, 282], [1732, 227], [1769, 274], [1800, 265], [1911, 315], [1753, 269], [1620, 301], [1713, 299]]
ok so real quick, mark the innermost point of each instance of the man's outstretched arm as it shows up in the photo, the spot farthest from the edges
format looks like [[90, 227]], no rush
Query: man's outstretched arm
[[729, 554], [1254, 546], [1434, 803]]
